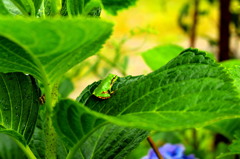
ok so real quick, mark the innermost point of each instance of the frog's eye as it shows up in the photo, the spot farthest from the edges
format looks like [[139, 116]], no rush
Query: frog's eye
[[114, 78]]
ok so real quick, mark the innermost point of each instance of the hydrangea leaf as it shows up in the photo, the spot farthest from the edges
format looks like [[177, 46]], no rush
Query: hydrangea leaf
[[47, 51], [190, 91], [89, 136], [229, 127], [112, 141], [231, 63], [160, 55], [9, 149], [113, 6], [19, 105]]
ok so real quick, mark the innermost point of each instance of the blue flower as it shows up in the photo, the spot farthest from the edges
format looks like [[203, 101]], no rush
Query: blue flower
[[169, 151]]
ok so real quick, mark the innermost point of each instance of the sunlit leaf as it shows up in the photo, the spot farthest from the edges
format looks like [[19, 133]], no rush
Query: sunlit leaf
[[44, 49], [160, 55], [190, 91]]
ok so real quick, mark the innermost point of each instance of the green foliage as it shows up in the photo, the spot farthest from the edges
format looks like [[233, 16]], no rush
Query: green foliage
[[226, 127], [231, 63], [18, 105], [234, 147], [160, 55], [113, 6], [9, 149], [84, 131], [152, 101], [166, 99], [93, 8], [47, 51], [75, 7], [190, 91]]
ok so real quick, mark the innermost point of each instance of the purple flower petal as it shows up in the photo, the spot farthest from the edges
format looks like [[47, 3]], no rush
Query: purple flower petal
[[169, 151]]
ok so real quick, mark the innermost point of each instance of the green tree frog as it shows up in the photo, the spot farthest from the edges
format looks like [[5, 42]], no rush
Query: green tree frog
[[103, 90]]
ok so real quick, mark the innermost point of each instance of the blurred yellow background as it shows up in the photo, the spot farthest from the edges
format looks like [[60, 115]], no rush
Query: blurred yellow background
[[144, 26]]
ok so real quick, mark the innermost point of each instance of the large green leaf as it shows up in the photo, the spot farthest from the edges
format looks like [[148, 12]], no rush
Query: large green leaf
[[84, 133], [19, 105], [93, 140], [9, 149], [160, 55], [113, 6], [112, 142], [44, 49], [231, 63], [190, 91], [229, 127]]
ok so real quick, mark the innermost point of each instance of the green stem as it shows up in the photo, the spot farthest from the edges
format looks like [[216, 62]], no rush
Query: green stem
[[50, 134], [26, 150]]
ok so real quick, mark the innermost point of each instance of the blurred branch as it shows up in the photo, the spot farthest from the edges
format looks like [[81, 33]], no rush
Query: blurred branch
[[224, 33], [155, 149], [195, 22]]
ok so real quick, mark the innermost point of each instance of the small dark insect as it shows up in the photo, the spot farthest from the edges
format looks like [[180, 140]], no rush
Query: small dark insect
[[42, 99]]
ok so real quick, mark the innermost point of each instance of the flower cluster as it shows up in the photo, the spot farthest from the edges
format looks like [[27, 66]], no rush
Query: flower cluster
[[169, 151]]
